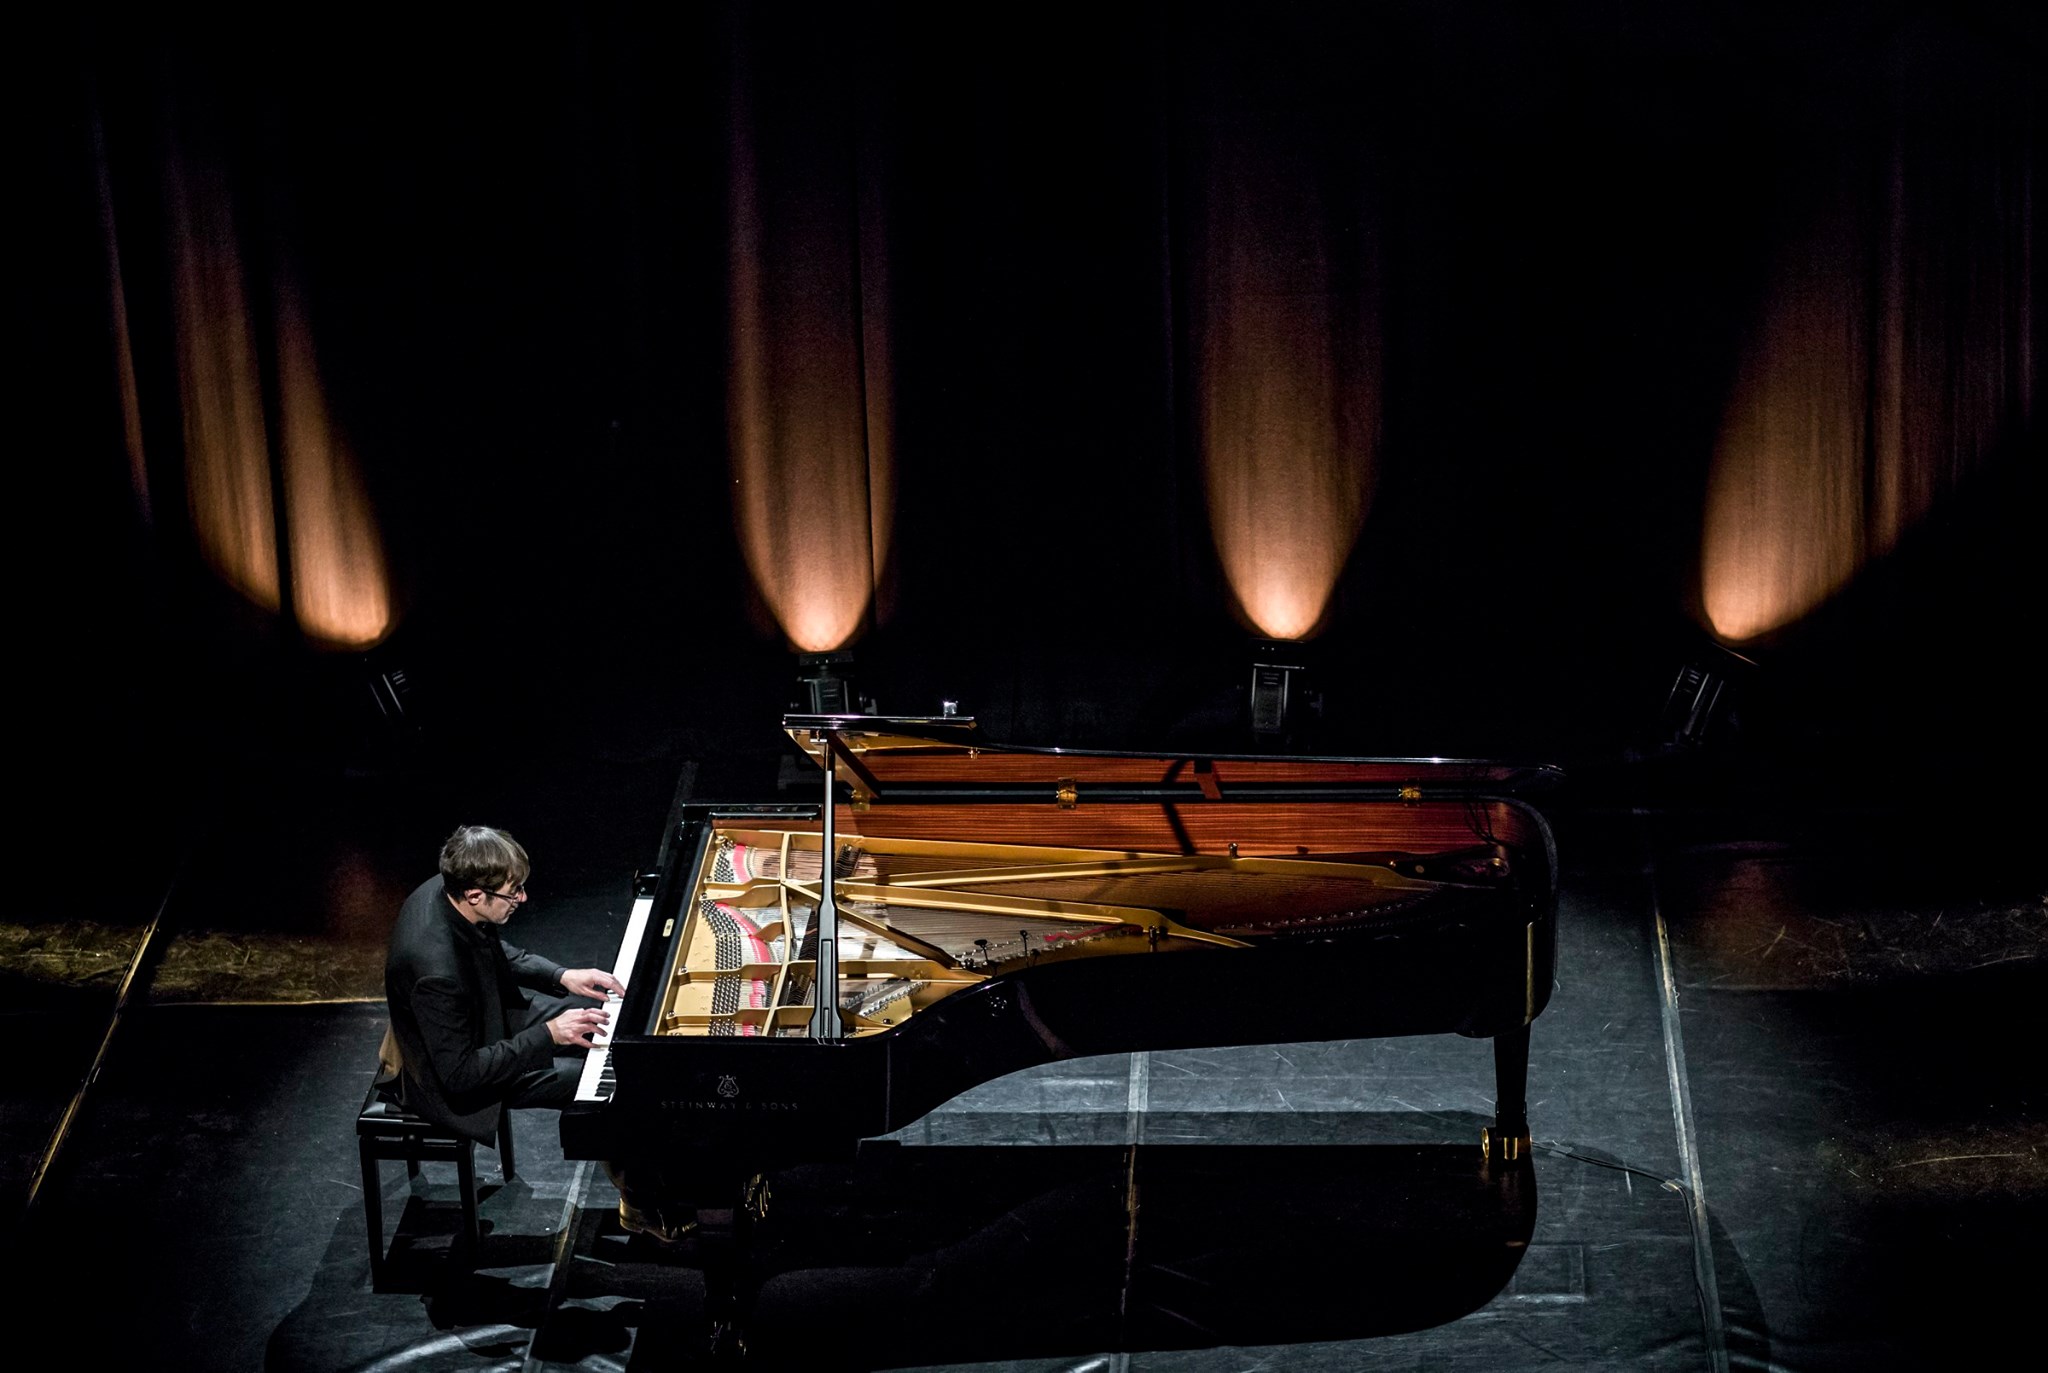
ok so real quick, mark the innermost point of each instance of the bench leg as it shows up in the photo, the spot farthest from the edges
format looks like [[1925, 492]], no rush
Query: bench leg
[[465, 1169], [373, 1211], [505, 1164]]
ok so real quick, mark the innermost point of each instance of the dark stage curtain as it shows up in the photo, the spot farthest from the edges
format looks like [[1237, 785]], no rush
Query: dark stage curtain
[[637, 349], [1891, 356]]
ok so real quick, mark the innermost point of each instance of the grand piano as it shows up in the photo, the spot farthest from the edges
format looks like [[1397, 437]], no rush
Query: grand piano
[[801, 977]]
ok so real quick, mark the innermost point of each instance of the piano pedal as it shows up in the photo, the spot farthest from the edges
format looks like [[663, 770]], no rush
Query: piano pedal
[[727, 1346]]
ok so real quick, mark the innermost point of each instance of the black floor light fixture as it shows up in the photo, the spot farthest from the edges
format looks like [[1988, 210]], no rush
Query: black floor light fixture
[[1703, 696], [391, 692], [392, 721], [825, 685], [1284, 701]]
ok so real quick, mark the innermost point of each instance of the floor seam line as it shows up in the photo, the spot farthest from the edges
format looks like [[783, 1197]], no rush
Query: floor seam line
[[1137, 1102], [1713, 1322], [565, 1256]]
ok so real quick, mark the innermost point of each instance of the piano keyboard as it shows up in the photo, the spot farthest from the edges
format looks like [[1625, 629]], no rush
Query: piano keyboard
[[597, 1082]]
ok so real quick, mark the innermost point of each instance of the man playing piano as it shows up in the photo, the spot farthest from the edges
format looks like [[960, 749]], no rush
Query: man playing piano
[[466, 1039]]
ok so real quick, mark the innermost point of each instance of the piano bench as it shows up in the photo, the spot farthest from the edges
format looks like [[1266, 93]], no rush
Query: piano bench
[[386, 1130]]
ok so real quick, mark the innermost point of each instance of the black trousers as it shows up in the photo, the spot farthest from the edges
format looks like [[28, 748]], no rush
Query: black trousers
[[555, 1087], [643, 1187]]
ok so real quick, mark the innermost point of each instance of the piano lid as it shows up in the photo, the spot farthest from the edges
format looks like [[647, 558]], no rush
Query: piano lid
[[898, 758]]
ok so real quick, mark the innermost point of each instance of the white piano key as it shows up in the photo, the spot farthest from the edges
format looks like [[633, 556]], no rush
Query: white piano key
[[595, 1083]]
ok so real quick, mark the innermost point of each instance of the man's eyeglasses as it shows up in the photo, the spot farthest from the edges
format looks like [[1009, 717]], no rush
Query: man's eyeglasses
[[518, 891]]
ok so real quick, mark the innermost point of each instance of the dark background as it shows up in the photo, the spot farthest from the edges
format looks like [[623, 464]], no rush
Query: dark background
[[512, 237], [512, 241]]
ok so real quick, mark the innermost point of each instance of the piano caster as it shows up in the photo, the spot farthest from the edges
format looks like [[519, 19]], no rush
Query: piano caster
[[1502, 1146]]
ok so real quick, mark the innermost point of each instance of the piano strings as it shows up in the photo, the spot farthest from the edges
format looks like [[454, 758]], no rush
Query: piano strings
[[920, 919]]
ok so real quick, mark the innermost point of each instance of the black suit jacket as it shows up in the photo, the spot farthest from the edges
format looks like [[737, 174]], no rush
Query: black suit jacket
[[457, 1012]]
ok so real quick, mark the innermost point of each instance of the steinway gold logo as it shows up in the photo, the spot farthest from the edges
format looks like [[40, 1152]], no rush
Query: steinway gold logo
[[728, 1099]]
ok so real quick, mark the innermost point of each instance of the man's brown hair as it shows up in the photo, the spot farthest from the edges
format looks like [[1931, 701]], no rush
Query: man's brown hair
[[479, 856]]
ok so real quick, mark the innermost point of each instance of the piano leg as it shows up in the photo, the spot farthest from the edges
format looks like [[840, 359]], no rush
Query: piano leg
[[1507, 1139], [730, 1207], [713, 1203]]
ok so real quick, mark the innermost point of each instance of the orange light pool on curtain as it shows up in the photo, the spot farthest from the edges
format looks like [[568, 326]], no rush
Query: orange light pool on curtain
[[340, 590], [808, 405], [1892, 353], [1286, 408], [227, 462]]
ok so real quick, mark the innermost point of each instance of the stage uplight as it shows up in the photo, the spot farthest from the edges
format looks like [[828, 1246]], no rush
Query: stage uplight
[[1284, 703], [391, 694], [1703, 697], [825, 684], [378, 697]]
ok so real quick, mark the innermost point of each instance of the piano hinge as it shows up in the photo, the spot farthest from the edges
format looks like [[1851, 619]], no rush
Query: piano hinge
[[1067, 794]]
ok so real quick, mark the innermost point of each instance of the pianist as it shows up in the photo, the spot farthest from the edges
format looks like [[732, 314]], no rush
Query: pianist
[[466, 1040]]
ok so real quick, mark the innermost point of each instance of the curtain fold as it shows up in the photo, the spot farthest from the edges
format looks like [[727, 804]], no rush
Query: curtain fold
[[1890, 361], [809, 399], [276, 500], [1285, 337]]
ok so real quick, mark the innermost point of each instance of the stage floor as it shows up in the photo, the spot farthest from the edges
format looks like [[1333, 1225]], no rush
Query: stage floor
[[1786, 1106]]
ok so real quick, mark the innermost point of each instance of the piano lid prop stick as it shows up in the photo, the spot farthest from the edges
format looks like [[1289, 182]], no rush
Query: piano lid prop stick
[[825, 1022]]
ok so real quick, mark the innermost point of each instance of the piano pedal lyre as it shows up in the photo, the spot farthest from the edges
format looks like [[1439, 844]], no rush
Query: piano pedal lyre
[[724, 1342]]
